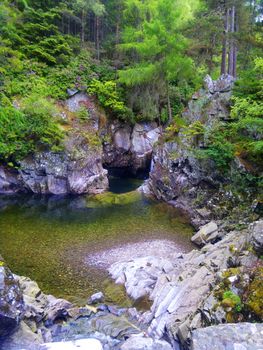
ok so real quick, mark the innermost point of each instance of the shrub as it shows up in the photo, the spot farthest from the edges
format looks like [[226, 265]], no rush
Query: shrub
[[23, 132]]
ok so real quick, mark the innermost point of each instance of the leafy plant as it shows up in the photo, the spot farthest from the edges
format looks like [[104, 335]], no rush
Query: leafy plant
[[109, 97], [232, 300]]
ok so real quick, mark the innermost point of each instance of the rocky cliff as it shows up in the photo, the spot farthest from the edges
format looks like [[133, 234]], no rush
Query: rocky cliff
[[180, 175], [92, 145]]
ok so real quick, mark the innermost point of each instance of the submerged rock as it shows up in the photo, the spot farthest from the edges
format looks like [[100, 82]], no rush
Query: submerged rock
[[242, 336]]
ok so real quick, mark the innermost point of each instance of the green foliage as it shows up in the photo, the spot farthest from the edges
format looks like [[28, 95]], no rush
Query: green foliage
[[83, 114], [154, 33], [109, 97], [22, 132], [232, 300]]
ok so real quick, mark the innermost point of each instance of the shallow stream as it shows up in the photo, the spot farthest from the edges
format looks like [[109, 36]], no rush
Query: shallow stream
[[63, 242]]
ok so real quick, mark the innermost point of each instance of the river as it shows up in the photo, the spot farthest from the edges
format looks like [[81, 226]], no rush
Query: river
[[62, 241]]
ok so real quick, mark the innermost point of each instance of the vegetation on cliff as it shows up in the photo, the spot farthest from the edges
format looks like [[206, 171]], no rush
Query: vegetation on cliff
[[142, 61]]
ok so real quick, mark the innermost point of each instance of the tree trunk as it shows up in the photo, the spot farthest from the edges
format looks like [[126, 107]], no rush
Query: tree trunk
[[224, 46], [170, 114], [83, 27], [98, 37], [231, 55]]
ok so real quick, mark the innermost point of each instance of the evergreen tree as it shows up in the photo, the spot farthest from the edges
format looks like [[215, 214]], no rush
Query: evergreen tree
[[155, 43]]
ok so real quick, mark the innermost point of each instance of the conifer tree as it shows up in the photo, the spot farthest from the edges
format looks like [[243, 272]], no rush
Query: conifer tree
[[155, 41]]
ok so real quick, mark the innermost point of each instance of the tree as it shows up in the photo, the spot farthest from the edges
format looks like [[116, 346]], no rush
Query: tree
[[98, 9], [156, 45]]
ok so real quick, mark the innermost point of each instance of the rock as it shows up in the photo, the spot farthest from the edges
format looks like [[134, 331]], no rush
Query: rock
[[10, 181], [178, 307], [72, 92], [56, 309], [11, 301], [140, 275], [96, 298], [82, 344], [140, 342], [242, 336], [209, 84], [223, 84], [23, 338], [114, 326], [257, 236], [131, 146], [207, 233], [63, 173]]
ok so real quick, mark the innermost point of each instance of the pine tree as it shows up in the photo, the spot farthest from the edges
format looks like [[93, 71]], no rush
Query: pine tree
[[155, 43]]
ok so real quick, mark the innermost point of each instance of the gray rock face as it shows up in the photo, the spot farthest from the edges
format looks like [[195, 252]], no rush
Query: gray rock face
[[130, 147], [10, 181], [176, 174], [78, 170], [11, 301], [141, 342], [257, 236], [181, 289], [140, 275], [207, 233], [242, 336], [23, 338], [223, 84]]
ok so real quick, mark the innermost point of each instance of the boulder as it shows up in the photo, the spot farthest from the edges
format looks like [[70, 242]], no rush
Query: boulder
[[96, 298], [11, 301], [140, 342], [56, 309], [208, 233], [23, 338], [257, 236], [241, 336]]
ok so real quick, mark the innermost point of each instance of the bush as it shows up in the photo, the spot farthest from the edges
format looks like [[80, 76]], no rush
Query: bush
[[23, 132], [109, 98]]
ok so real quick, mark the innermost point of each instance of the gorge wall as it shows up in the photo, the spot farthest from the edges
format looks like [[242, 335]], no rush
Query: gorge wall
[[90, 147]]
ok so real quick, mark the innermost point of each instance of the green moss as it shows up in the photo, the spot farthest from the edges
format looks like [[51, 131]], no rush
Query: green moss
[[255, 294], [231, 300], [109, 199]]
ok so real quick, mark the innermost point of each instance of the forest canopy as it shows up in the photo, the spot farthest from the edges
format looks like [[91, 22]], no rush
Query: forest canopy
[[141, 59]]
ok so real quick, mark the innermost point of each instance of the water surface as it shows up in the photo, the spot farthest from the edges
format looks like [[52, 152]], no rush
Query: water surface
[[49, 238]]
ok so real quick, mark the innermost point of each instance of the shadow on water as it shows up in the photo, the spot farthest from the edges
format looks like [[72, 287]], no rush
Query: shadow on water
[[49, 237]]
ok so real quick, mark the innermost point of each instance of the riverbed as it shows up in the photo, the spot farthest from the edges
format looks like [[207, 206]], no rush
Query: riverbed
[[66, 243]]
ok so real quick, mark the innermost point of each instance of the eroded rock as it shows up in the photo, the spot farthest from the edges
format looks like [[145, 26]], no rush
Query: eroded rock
[[207, 233], [140, 342], [257, 236], [242, 336], [11, 301]]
